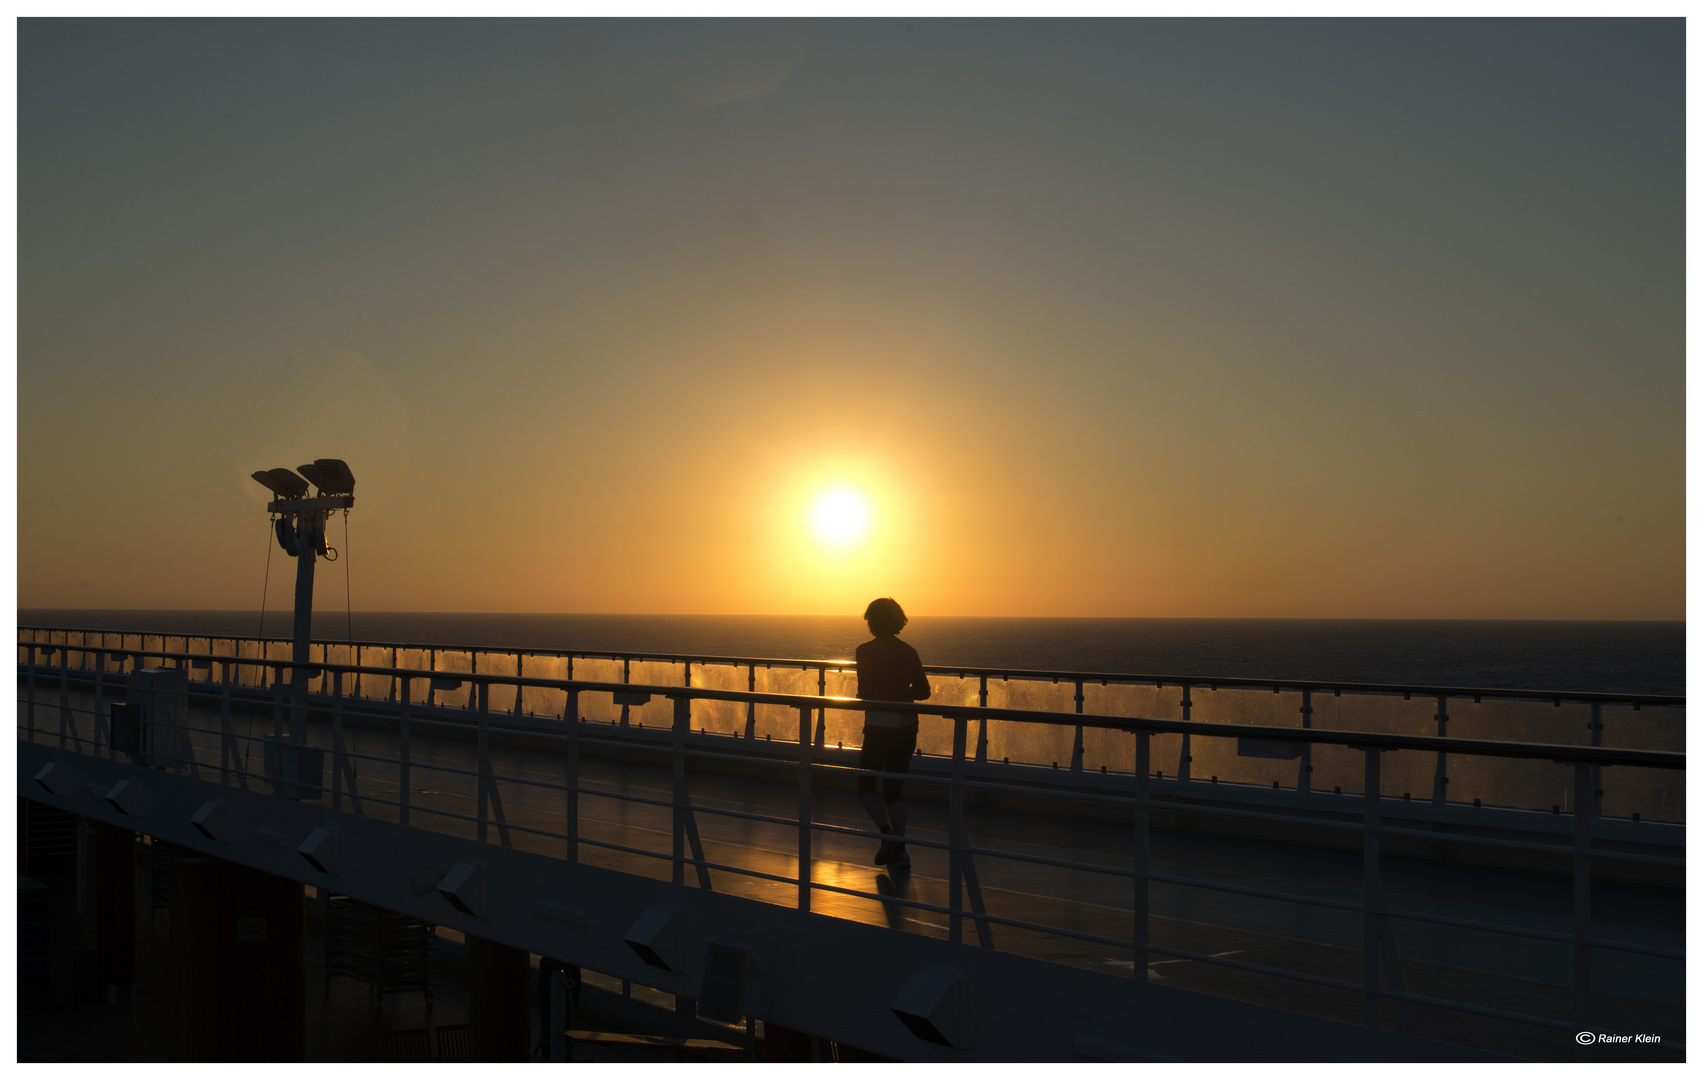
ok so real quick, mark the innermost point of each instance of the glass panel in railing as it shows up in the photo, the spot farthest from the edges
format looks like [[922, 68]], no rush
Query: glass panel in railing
[[499, 663], [453, 662], [1521, 783], [543, 701], [1030, 743], [659, 713], [597, 707], [1654, 795], [719, 717]]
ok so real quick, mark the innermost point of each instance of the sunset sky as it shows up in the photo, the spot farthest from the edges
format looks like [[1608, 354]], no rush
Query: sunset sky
[[1120, 318]]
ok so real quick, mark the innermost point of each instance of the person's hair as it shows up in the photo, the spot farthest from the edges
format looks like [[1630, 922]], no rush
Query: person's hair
[[885, 616]]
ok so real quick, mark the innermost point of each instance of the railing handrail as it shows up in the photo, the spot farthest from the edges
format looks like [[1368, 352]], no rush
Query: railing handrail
[[961, 670], [1363, 740]]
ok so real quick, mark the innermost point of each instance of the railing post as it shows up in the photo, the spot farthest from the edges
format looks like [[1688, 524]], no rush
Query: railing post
[[101, 737], [804, 808], [570, 771], [822, 713], [982, 726], [402, 749], [393, 679], [626, 677], [432, 665], [1185, 755], [751, 706], [65, 695], [1440, 782], [484, 703], [30, 708], [1140, 839], [227, 734], [1368, 890], [336, 741], [682, 722], [484, 760], [519, 673], [1304, 777], [1583, 801], [955, 834], [1076, 748], [1596, 770]]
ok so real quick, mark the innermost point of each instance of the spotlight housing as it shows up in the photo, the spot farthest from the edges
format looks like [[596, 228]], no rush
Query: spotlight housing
[[283, 483]]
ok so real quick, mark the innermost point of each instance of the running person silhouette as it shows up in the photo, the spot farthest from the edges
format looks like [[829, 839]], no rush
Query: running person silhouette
[[888, 670]]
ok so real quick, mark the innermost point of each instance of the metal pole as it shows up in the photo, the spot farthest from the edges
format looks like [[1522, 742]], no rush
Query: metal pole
[[982, 727], [1369, 879], [1440, 782], [804, 808], [1139, 849], [227, 736], [822, 713], [484, 759], [307, 541], [1596, 770], [101, 736], [1582, 803], [1186, 754], [402, 748], [65, 691], [31, 707], [1304, 779], [682, 721], [337, 742], [626, 677], [955, 826], [1076, 749], [570, 771], [751, 706], [519, 673]]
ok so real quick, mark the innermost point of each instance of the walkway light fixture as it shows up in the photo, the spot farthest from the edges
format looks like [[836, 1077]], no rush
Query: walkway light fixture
[[300, 530]]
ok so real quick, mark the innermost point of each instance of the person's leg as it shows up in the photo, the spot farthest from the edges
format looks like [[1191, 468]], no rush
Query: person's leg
[[900, 762], [896, 814], [877, 810], [870, 757]]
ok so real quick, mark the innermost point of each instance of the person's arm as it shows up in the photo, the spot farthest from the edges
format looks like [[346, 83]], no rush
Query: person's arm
[[920, 689]]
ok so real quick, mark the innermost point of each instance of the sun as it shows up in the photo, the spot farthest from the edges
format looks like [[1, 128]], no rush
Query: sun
[[840, 516]]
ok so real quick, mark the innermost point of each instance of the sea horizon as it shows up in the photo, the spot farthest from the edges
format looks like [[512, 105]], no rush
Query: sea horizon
[[1609, 656]]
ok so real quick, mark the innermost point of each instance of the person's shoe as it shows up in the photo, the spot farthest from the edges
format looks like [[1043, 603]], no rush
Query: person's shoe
[[885, 851], [898, 858]]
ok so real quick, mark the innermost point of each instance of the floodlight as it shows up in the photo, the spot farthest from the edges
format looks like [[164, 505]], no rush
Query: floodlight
[[335, 471], [283, 483], [286, 536], [316, 478]]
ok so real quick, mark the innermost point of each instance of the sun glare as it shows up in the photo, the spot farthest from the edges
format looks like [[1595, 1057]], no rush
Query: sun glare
[[840, 516]]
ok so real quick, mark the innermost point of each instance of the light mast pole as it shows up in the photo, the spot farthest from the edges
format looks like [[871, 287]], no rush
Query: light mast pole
[[301, 533]]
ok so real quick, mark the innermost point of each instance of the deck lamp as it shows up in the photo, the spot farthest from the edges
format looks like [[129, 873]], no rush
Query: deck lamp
[[300, 530]]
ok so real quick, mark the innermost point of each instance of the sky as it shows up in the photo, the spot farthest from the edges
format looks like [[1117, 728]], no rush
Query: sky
[[1334, 319]]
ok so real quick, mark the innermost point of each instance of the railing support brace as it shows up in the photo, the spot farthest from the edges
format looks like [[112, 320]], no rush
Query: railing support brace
[[804, 808]]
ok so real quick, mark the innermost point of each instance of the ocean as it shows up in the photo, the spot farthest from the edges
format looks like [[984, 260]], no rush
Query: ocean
[[1610, 657]]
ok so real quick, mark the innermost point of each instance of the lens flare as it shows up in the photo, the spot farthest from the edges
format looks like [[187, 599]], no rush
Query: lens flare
[[840, 516]]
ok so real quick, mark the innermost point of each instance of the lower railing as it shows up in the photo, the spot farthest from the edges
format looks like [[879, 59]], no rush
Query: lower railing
[[415, 769]]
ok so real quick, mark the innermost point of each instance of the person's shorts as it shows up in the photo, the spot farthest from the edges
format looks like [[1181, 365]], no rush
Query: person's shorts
[[887, 751]]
